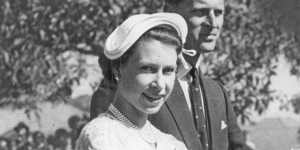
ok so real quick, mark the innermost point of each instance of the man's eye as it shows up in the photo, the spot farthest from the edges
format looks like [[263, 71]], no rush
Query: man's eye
[[218, 12], [201, 12], [147, 69]]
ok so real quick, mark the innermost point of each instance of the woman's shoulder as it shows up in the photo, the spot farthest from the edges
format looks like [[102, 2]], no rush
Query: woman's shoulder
[[96, 134], [101, 119]]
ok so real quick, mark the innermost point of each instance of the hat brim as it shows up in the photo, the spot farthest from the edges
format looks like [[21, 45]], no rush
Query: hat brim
[[114, 51]]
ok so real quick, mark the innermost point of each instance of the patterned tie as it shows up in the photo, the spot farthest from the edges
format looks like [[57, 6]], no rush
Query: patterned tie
[[197, 107]]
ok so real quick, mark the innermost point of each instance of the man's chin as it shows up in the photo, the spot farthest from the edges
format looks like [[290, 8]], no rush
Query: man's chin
[[208, 47]]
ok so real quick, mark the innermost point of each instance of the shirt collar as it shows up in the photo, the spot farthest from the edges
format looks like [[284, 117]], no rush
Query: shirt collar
[[184, 67]]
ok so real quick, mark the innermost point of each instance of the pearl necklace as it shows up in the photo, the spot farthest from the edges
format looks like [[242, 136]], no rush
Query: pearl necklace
[[119, 116], [146, 134]]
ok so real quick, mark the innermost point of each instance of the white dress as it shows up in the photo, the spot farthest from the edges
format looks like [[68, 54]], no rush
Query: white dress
[[107, 133]]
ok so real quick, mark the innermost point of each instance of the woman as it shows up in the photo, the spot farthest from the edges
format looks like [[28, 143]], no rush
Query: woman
[[143, 50]]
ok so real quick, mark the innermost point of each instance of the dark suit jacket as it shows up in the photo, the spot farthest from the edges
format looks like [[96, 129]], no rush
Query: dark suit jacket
[[176, 119]]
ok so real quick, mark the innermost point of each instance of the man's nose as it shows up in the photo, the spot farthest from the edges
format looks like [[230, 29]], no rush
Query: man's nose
[[212, 19]]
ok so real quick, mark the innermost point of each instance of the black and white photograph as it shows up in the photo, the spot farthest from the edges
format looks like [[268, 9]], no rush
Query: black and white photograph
[[149, 75]]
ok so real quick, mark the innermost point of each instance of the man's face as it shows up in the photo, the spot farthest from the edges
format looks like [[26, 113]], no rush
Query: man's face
[[205, 19]]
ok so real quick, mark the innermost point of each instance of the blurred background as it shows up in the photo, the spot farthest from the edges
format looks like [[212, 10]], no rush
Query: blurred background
[[49, 67]]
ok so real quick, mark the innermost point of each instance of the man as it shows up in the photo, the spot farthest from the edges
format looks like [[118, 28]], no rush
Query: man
[[202, 119]]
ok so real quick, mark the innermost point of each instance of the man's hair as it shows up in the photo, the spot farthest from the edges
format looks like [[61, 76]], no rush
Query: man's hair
[[170, 4], [173, 2]]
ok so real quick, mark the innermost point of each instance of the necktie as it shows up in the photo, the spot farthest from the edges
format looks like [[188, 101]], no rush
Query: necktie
[[198, 108]]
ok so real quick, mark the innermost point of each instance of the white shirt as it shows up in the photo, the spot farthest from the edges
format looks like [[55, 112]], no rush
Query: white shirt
[[183, 70]]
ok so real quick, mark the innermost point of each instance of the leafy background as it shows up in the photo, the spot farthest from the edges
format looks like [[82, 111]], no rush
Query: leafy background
[[39, 37]]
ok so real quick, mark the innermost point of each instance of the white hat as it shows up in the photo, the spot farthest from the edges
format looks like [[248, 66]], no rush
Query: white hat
[[126, 34]]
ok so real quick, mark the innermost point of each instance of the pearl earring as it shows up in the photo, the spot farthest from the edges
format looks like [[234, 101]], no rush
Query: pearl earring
[[116, 77]]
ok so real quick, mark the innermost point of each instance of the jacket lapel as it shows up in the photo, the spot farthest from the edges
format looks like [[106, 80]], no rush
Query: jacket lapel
[[182, 116]]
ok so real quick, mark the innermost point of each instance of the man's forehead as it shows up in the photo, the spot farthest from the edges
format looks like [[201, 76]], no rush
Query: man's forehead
[[207, 3]]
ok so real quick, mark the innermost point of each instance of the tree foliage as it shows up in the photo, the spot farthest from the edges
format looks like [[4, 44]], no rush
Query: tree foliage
[[247, 58], [285, 14], [36, 34]]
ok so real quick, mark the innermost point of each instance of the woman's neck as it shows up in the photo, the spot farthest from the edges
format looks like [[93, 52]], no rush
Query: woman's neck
[[135, 116]]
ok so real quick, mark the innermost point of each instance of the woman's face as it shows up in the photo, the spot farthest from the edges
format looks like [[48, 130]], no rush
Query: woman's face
[[147, 78]]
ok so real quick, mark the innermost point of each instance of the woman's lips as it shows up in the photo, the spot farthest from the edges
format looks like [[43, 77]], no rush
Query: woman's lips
[[152, 97]]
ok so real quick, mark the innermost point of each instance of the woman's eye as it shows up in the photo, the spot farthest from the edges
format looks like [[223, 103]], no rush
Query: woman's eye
[[169, 70]]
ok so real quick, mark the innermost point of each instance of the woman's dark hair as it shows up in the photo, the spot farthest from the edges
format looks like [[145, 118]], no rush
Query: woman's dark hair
[[163, 33]]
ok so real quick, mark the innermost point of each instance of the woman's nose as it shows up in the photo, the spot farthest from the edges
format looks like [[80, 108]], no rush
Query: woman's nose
[[159, 83]]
